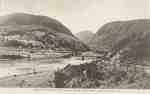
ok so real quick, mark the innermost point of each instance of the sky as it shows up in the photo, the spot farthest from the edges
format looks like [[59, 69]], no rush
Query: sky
[[80, 15]]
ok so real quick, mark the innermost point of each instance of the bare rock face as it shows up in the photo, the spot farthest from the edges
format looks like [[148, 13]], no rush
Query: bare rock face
[[35, 31]]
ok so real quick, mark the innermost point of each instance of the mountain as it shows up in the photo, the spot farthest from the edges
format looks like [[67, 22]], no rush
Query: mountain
[[84, 36], [131, 38], [128, 47], [35, 31]]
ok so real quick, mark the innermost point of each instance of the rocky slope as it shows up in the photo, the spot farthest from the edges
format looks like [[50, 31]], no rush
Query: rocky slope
[[102, 75], [84, 36], [128, 37], [34, 31], [129, 47]]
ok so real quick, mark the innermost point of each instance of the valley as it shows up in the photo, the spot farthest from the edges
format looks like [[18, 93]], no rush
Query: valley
[[40, 52]]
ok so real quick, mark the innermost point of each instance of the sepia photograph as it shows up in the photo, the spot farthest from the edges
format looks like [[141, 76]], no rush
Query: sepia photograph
[[75, 44]]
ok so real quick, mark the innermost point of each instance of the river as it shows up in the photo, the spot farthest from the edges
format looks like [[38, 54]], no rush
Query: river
[[16, 67]]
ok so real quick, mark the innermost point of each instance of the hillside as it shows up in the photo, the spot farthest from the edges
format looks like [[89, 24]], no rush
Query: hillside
[[84, 36], [128, 37], [35, 31], [127, 66]]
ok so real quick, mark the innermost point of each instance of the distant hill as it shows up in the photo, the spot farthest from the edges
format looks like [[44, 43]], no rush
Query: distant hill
[[35, 31], [128, 37], [84, 36]]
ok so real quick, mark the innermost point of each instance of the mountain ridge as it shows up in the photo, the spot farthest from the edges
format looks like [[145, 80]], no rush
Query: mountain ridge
[[124, 36], [41, 31], [84, 36]]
